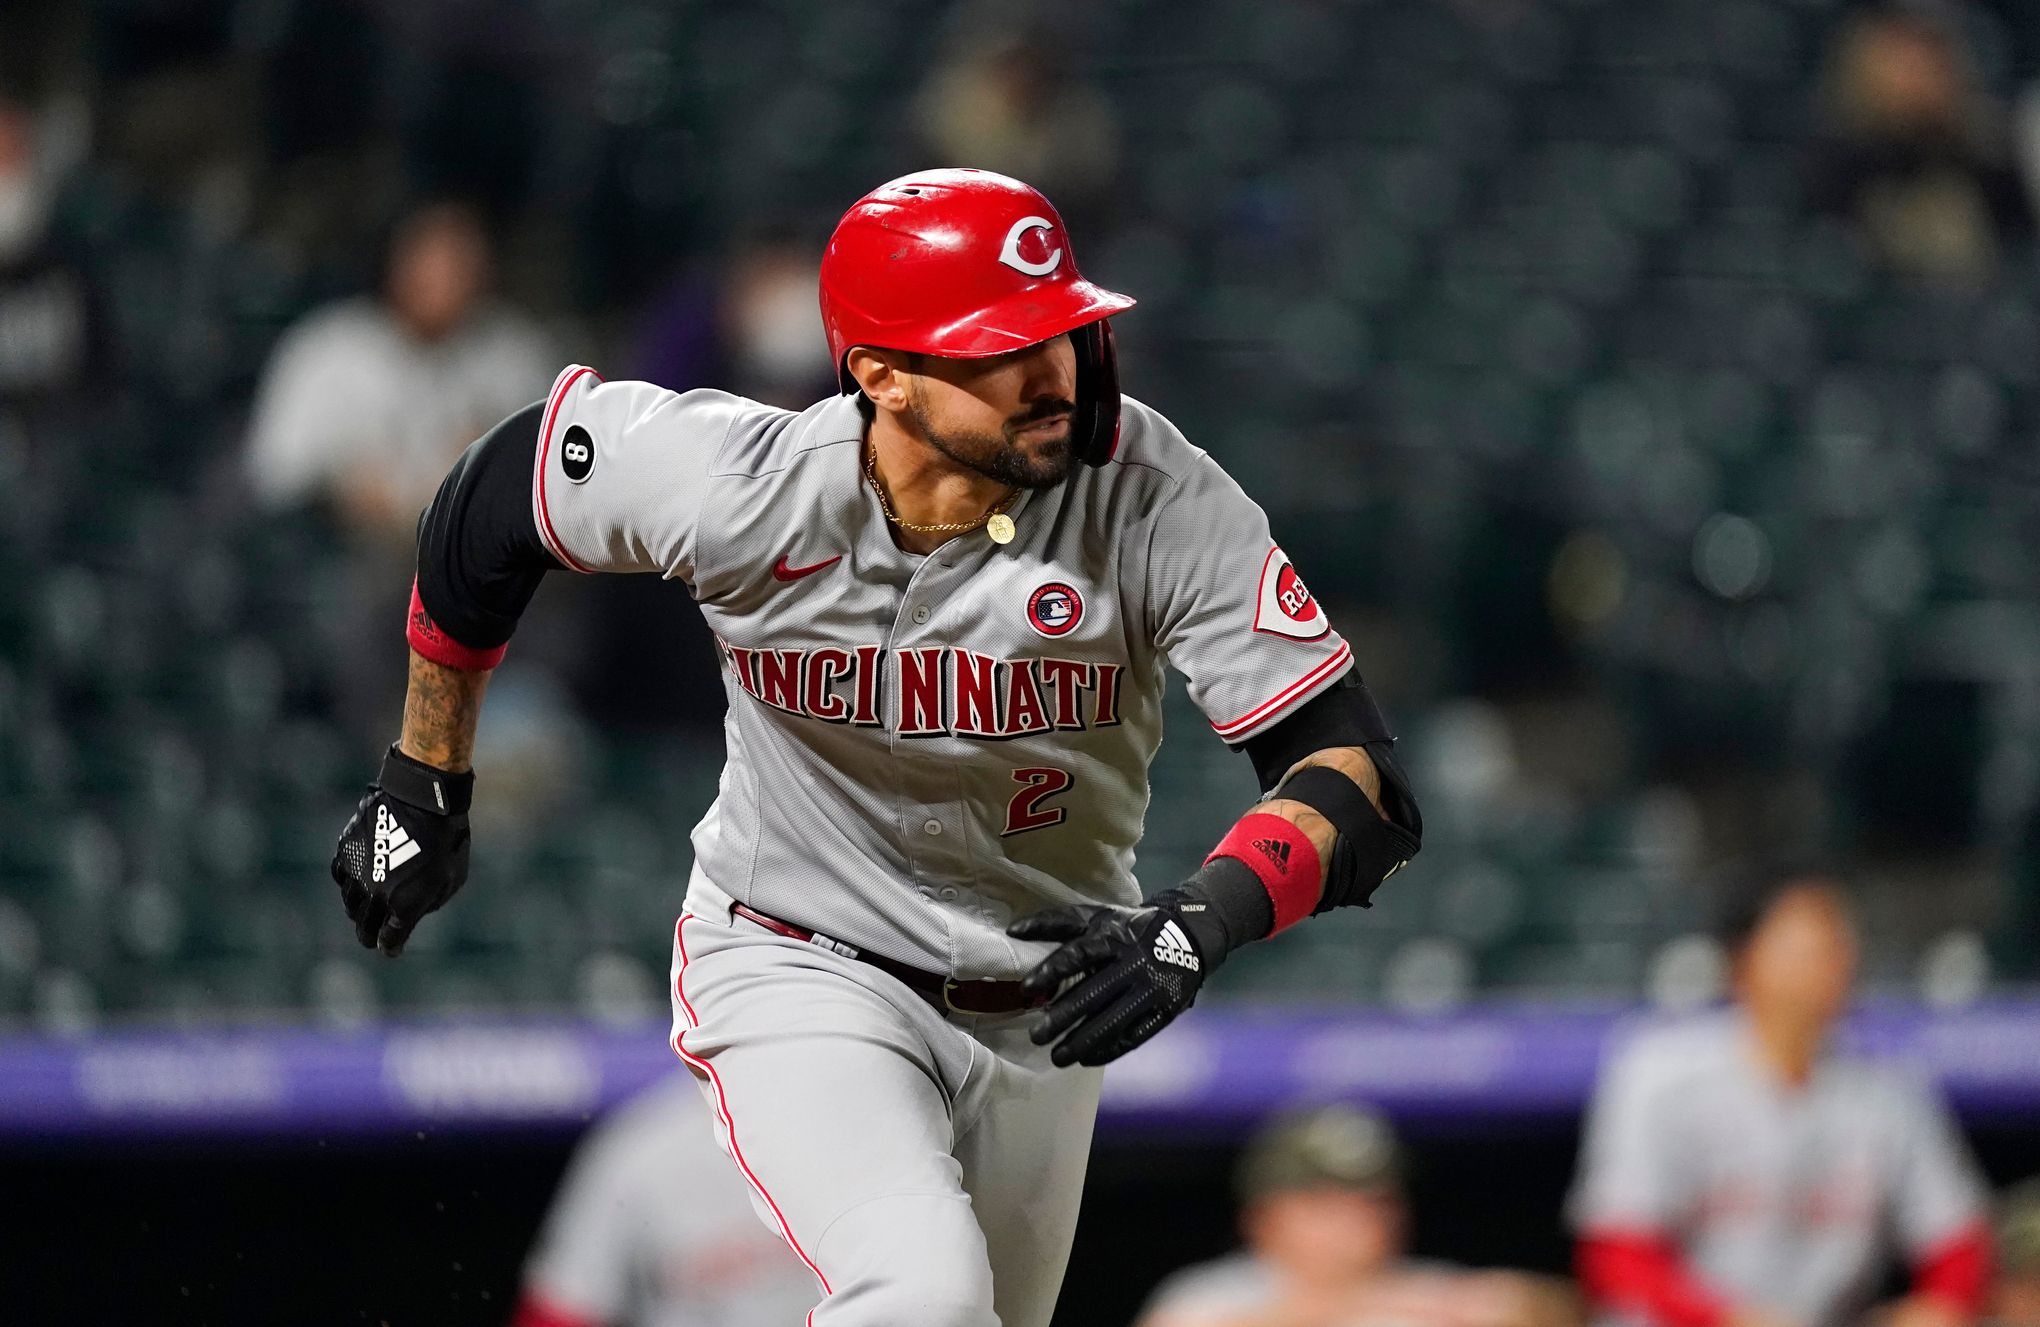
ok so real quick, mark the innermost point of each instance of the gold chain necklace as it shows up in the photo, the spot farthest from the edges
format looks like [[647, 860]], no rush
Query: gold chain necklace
[[945, 527]]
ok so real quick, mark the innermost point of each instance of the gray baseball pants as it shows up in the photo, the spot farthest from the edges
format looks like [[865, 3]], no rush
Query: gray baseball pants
[[925, 1164]]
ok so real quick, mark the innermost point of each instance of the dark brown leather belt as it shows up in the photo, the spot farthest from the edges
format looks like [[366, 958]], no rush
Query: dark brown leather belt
[[969, 997]]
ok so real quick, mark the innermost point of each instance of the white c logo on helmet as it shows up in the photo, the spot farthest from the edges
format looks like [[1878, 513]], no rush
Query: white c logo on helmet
[[1010, 254]]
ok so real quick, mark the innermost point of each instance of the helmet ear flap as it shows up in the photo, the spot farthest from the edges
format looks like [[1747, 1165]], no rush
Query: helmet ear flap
[[1094, 431]]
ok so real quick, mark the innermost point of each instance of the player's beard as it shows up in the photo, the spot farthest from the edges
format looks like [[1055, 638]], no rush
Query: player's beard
[[1000, 456]]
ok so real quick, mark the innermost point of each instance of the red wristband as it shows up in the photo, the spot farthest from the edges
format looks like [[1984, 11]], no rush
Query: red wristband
[[1958, 1269], [426, 638], [1643, 1274], [1283, 857]]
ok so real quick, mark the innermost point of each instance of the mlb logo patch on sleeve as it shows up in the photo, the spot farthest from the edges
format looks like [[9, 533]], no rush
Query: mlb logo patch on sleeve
[[1285, 607]]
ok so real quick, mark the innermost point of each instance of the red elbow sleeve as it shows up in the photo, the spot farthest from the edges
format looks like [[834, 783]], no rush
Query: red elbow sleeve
[[1644, 1273], [534, 1310], [1957, 1270]]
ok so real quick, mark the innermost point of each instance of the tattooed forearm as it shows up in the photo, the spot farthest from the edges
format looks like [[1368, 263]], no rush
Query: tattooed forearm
[[440, 712]]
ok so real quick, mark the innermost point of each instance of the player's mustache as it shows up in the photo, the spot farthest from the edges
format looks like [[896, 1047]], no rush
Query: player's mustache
[[1044, 411]]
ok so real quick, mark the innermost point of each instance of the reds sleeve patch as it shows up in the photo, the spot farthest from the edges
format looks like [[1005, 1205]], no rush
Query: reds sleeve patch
[[1285, 607]]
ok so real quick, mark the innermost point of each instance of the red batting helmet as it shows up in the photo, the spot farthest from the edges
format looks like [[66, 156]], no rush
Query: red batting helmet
[[968, 264]]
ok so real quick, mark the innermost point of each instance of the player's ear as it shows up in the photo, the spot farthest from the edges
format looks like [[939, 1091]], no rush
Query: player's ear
[[879, 373]]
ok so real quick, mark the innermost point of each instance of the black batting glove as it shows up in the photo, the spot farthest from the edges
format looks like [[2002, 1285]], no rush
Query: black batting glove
[[1123, 974], [405, 851], [1133, 972]]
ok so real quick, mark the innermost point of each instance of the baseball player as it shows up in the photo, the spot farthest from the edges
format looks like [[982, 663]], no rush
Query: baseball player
[[652, 1228], [943, 601], [1737, 1170], [1325, 1221]]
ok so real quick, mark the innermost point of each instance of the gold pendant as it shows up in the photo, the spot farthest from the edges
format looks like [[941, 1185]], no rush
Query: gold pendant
[[1000, 528]]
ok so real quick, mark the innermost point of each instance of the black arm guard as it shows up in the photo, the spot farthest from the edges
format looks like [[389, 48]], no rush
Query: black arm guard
[[479, 555], [1369, 848]]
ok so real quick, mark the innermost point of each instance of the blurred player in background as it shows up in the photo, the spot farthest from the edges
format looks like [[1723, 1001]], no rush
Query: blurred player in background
[[1321, 1207], [2015, 1299], [1740, 1170], [652, 1228]]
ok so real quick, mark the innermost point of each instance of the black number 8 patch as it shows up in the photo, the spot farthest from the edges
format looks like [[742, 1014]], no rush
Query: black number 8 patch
[[577, 453]]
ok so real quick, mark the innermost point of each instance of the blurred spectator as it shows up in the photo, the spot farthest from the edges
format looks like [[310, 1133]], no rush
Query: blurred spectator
[[1321, 1207], [1005, 100], [752, 328], [1739, 1170], [1913, 154], [653, 1227], [2015, 1300], [677, 340], [365, 404], [773, 332], [46, 323]]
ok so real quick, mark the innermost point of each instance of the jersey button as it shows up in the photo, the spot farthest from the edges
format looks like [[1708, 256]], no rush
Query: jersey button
[[932, 828], [948, 893], [921, 614]]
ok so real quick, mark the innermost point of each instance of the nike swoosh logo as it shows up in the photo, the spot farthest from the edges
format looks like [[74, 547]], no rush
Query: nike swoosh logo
[[782, 572]]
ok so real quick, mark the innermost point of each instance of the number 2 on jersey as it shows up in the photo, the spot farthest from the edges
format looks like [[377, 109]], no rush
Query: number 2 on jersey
[[1024, 812]]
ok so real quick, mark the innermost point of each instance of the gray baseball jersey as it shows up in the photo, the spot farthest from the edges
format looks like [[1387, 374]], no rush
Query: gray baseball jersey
[[1788, 1200], [653, 1228], [922, 748], [1241, 1287]]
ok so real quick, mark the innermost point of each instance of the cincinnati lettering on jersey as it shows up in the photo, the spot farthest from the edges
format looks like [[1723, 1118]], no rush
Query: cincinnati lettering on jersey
[[938, 691]]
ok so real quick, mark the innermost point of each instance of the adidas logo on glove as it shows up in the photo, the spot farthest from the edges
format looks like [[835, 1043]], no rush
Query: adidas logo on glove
[[1172, 946], [393, 846]]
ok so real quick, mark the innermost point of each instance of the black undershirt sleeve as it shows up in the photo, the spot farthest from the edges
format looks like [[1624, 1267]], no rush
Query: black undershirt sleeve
[[1370, 847], [1343, 714], [479, 555]]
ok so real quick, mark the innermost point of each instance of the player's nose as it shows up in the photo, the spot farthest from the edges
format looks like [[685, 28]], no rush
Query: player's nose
[[1050, 371]]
